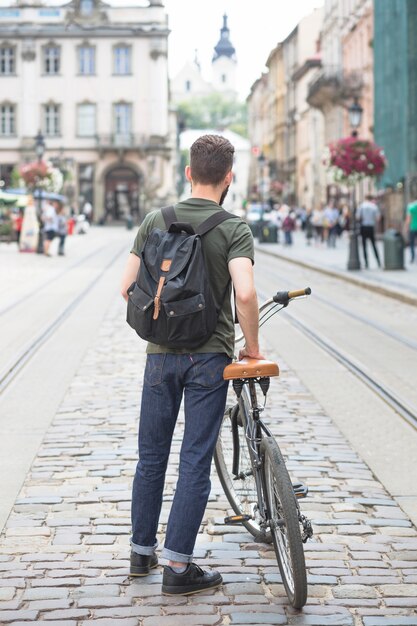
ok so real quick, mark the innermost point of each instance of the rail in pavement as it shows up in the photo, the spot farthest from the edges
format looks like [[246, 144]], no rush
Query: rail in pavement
[[398, 284]]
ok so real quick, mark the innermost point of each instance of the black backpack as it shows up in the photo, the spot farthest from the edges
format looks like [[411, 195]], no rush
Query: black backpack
[[171, 303]]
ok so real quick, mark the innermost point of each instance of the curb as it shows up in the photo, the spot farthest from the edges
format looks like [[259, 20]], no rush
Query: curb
[[390, 292]]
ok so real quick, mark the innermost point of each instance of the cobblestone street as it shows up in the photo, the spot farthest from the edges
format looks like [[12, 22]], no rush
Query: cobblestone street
[[64, 553]]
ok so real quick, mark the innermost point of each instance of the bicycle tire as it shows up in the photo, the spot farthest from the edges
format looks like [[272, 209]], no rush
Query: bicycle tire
[[241, 493], [282, 508]]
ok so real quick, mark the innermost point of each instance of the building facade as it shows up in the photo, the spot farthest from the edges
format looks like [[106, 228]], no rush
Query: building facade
[[395, 49], [94, 79]]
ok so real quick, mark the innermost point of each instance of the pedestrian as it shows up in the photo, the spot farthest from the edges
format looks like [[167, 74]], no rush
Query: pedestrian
[[17, 224], [197, 374], [62, 228], [309, 228], [49, 221], [411, 225], [88, 211], [317, 220], [368, 215], [288, 226], [330, 218]]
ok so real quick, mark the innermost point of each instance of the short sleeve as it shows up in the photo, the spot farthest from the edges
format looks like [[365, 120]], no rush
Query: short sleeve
[[143, 232], [242, 243]]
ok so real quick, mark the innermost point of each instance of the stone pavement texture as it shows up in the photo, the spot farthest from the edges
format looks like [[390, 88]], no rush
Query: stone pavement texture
[[333, 261], [64, 552]]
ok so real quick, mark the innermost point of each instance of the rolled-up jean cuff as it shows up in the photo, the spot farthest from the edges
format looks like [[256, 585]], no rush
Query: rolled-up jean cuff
[[170, 555], [144, 550]]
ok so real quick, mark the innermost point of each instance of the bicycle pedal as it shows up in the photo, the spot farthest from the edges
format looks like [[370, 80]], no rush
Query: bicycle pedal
[[236, 519], [300, 490]]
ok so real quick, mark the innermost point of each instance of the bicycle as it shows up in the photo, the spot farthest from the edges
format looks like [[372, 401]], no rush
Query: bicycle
[[252, 469]]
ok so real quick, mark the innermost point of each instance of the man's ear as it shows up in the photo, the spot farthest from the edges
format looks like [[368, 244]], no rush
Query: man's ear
[[229, 178], [188, 173]]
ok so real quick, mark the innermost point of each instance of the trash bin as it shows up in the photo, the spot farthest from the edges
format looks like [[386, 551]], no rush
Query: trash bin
[[129, 222], [254, 227], [268, 233], [393, 250]]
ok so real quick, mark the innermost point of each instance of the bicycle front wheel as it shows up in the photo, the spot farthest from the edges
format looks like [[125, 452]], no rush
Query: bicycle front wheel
[[235, 470], [284, 524]]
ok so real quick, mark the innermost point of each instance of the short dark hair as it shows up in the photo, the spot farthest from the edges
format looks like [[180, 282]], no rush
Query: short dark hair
[[211, 159]]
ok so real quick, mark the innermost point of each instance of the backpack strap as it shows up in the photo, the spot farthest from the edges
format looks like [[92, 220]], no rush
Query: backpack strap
[[213, 221], [169, 215]]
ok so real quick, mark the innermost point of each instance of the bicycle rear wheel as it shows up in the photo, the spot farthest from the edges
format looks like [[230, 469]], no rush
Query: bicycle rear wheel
[[284, 523], [240, 489]]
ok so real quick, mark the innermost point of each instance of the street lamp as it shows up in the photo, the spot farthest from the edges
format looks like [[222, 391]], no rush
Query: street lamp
[[355, 117], [261, 163], [40, 151]]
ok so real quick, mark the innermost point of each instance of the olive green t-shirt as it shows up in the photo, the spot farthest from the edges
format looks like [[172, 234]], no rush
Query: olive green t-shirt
[[229, 240]]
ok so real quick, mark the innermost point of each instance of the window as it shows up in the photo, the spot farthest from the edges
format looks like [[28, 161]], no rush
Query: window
[[52, 122], [86, 122], [122, 122], [87, 7], [52, 59], [7, 61], [187, 85], [122, 63], [86, 60], [7, 120]]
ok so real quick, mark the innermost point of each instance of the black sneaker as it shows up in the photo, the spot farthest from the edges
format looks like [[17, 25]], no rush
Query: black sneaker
[[193, 580], [140, 565]]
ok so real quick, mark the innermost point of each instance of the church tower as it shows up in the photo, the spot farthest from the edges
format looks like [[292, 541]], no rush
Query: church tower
[[224, 63]]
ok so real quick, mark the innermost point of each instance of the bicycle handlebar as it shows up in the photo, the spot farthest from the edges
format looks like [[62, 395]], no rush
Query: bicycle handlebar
[[283, 297]]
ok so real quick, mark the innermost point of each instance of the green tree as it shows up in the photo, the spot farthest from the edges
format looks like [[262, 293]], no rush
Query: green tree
[[213, 111]]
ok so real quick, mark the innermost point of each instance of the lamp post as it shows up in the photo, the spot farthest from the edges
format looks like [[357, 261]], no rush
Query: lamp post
[[261, 163], [355, 117], [40, 151]]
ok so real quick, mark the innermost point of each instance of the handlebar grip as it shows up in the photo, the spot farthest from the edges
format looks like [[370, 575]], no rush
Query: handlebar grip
[[299, 292], [283, 297]]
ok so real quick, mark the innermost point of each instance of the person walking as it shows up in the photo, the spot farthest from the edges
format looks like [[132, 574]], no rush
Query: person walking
[[288, 226], [411, 225], [330, 218], [62, 228], [195, 374], [368, 215], [49, 220]]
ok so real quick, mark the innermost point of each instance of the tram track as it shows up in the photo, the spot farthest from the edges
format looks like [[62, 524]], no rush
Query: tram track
[[400, 406], [36, 290], [9, 373]]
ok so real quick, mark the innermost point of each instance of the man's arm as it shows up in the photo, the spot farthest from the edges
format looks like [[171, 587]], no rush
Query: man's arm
[[241, 272], [129, 275]]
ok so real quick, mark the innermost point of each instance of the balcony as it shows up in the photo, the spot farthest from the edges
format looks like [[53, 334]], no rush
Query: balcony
[[121, 142], [331, 86]]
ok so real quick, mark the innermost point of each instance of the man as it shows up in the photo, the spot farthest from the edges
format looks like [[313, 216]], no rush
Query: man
[[411, 225], [198, 374], [49, 220], [368, 214], [331, 216]]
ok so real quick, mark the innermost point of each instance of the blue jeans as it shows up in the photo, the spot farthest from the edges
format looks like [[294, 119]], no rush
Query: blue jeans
[[167, 377]]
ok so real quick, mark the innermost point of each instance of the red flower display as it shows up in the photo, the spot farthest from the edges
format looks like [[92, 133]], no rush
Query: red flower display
[[352, 159], [35, 173]]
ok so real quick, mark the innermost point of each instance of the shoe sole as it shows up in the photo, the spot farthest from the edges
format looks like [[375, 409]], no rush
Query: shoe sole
[[179, 591], [141, 571]]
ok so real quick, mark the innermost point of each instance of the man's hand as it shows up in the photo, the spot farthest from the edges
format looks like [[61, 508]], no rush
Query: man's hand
[[250, 354]]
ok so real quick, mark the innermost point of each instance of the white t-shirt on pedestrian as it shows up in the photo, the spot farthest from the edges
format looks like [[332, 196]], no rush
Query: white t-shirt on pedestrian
[[368, 213]]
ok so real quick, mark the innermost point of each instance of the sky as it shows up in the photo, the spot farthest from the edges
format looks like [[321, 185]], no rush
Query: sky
[[256, 26]]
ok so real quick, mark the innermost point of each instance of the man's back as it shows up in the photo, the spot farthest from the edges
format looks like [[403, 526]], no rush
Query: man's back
[[368, 213], [229, 240]]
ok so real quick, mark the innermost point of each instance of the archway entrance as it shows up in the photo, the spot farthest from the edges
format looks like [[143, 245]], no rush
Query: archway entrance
[[122, 193]]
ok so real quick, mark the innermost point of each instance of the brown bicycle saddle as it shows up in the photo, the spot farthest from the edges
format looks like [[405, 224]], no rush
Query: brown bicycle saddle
[[250, 368]]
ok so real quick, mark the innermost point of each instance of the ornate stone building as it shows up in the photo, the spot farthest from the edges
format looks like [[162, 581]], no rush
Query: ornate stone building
[[189, 82], [94, 79]]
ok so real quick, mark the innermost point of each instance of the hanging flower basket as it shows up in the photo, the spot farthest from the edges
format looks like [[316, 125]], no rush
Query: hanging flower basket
[[41, 174], [351, 159]]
